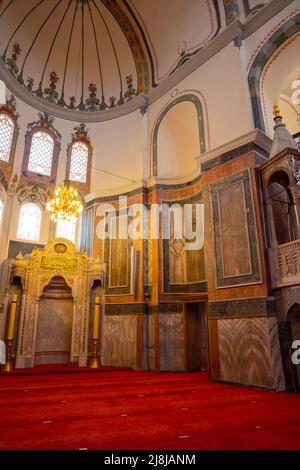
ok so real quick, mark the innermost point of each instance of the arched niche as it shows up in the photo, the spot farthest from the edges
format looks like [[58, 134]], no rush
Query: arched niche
[[283, 207], [178, 138], [54, 323], [74, 275], [275, 63], [277, 80]]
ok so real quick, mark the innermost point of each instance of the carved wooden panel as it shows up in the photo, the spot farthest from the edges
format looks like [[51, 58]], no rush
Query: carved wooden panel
[[289, 263]]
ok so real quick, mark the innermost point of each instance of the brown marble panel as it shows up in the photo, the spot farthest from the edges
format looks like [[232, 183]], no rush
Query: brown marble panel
[[214, 358], [120, 340], [236, 255], [54, 327], [171, 342], [185, 266], [118, 263], [246, 349], [215, 177], [151, 341]]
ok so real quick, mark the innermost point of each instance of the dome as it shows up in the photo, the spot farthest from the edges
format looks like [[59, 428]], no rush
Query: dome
[[82, 55], [92, 60]]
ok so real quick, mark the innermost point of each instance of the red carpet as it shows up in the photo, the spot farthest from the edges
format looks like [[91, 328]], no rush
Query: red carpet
[[60, 369], [142, 410]]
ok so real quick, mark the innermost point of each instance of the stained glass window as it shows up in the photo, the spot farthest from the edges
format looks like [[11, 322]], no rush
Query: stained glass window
[[6, 135], [41, 153], [79, 162], [29, 222], [66, 229]]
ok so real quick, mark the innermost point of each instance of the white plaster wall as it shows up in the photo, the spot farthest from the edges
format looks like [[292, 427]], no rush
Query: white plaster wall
[[117, 149], [122, 147], [277, 77], [220, 85], [179, 27], [178, 142]]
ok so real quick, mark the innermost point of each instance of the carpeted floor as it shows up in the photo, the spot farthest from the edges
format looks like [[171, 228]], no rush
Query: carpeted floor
[[125, 409]]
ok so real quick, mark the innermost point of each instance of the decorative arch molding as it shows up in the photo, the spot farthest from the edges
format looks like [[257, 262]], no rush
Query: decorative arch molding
[[281, 168], [286, 31], [294, 309], [199, 108], [9, 109], [35, 193], [46, 281], [80, 135]]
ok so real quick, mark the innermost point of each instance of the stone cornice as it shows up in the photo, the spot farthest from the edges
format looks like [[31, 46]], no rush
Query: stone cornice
[[236, 31], [256, 136]]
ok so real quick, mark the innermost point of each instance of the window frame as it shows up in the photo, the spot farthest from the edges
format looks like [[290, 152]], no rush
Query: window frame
[[7, 167], [80, 141], [32, 140], [48, 181], [12, 134], [27, 203], [82, 187]]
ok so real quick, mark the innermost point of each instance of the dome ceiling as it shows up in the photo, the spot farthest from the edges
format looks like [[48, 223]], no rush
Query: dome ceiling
[[79, 54], [185, 26], [89, 56]]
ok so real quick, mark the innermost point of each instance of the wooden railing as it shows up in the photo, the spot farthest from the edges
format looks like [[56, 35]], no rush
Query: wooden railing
[[288, 258]]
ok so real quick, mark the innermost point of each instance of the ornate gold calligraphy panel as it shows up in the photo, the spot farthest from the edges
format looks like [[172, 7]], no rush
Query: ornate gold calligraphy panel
[[59, 264]]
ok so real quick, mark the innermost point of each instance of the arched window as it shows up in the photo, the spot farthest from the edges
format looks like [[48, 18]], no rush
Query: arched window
[[41, 153], [79, 162], [29, 222], [6, 136], [66, 229], [282, 208]]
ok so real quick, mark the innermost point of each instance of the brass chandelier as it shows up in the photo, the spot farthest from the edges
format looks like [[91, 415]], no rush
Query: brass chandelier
[[66, 203]]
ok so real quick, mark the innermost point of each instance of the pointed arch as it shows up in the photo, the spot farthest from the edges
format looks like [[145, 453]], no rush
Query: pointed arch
[[201, 126]]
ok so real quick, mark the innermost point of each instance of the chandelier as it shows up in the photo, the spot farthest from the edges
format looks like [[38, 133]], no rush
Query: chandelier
[[66, 203]]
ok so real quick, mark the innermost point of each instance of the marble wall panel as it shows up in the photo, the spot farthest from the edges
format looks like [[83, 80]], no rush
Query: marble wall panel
[[54, 331], [249, 352], [171, 342], [120, 340]]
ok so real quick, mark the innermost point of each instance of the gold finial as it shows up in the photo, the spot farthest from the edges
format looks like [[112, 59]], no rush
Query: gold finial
[[276, 110]]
